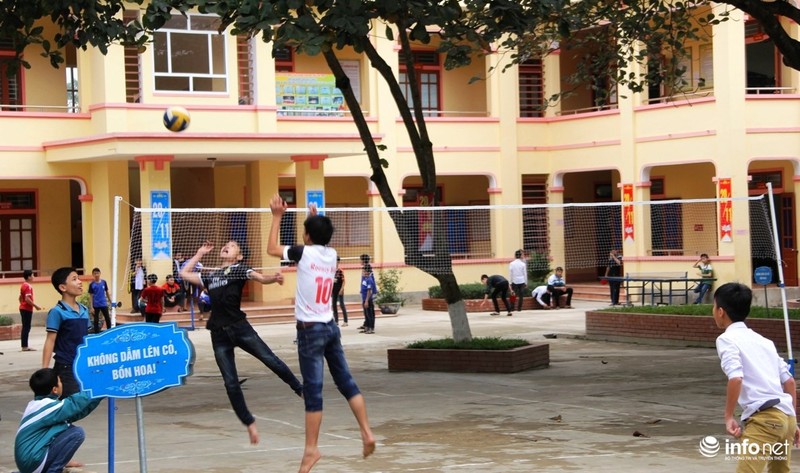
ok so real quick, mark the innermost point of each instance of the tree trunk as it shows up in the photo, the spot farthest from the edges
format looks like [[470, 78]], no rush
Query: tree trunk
[[456, 308]]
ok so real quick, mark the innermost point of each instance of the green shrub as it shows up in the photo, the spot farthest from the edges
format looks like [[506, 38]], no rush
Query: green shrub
[[468, 291], [389, 287], [6, 321], [756, 312], [538, 266], [83, 299], [478, 343]]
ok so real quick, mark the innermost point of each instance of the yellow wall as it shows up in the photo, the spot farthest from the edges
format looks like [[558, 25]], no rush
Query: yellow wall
[[230, 183]]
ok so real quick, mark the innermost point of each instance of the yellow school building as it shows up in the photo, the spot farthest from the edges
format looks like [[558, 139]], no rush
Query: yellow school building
[[74, 138]]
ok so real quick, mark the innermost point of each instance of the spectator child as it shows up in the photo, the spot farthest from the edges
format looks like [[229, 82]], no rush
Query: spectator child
[[67, 325], [26, 306], [337, 295], [759, 381], [318, 337], [614, 269], [98, 300], [704, 270], [153, 297], [173, 293], [47, 439], [137, 284], [542, 296], [368, 291]]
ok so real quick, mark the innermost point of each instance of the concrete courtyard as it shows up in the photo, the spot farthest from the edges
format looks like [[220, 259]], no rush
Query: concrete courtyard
[[600, 407]]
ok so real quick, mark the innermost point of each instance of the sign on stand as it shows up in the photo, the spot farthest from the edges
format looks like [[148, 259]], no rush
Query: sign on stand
[[132, 361]]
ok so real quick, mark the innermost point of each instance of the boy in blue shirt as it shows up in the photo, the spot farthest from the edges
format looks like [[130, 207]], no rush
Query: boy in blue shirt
[[67, 324], [98, 290], [368, 291], [46, 439]]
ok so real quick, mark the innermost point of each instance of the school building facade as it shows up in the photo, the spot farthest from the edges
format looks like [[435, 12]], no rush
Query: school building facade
[[76, 137]]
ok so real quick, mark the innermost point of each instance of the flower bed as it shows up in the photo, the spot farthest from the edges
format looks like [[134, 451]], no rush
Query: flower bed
[[10, 332], [470, 361], [697, 330]]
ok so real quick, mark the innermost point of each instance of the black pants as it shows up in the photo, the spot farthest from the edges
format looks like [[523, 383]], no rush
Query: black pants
[[27, 317], [106, 316], [519, 290], [69, 384], [614, 286], [152, 317], [557, 293], [501, 290]]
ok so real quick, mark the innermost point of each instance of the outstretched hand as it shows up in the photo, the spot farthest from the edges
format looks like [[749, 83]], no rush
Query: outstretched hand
[[278, 206], [312, 208], [205, 248], [279, 278]]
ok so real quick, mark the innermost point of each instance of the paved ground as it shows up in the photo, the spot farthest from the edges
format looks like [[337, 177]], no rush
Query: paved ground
[[600, 407]]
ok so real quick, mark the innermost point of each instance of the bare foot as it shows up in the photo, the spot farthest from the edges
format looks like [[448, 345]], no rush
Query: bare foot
[[369, 444], [74, 464], [310, 458], [252, 431]]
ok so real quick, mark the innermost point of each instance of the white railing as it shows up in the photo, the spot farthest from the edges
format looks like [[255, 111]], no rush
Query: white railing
[[40, 108], [769, 90]]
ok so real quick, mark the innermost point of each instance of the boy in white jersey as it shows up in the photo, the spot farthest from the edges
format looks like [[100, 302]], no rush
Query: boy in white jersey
[[318, 336], [759, 380], [229, 326]]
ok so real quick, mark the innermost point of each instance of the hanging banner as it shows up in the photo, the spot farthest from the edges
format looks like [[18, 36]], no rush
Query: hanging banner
[[627, 212], [308, 95], [161, 228], [725, 210]]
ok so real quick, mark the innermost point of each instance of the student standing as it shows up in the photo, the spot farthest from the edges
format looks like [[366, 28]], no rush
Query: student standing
[[153, 297], [518, 275], [229, 326], [368, 291], [704, 270], [338, 294], [318, 336], [67, 325], [759, 381], [26, 306], [98, 300], [614, 269]]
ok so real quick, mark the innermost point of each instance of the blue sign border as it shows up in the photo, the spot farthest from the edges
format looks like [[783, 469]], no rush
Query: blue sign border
[[134, 360]]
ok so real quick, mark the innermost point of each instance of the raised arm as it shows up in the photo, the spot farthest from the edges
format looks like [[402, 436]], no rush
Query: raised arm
[[267, 279], [278, 208], [187, 272]]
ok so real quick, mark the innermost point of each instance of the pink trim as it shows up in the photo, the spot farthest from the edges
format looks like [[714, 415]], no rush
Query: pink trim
[[643, 184], [189, 136], [794, 178], [565, 118], [86, 197], [59, 115], [494, 190], [141, 106], [772, 97], [591, 144], [372, 192], [676, 136], [157, 160], [556, 190], [19, 149], [455, 149], [314, 160], [81, 180], [676, 104], [788, 129], [205, 95], [717, 178], [457, 120], [402, 192]]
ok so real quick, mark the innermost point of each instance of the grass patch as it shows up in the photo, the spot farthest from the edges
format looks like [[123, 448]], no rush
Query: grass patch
[[756, 312], [478, 343]]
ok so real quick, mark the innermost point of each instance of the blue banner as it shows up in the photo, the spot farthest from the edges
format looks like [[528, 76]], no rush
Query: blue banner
[[160, 226], [317, 198], [134, 360]]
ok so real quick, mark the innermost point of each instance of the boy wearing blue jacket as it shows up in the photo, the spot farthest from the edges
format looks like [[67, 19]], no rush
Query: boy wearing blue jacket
[[46, 439], [368, 291]]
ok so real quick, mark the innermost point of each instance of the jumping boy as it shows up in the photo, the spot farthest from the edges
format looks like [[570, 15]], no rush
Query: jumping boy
[[67, 324], [759, 380], [318, 336], [229, 326], [98, 302], [46, 439]]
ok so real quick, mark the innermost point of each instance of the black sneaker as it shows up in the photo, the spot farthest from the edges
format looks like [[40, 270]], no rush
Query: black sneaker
[[494, 313]]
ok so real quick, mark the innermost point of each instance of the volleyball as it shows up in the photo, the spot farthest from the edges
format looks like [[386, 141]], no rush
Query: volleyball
[[176, 118]]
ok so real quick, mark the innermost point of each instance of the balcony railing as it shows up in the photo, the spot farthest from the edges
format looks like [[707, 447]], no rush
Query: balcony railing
[[40, 108], [769, 90], [576, 111]]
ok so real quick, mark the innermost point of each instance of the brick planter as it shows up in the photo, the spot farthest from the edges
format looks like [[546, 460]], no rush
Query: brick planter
[[10, 332], [470, 361], [474, 305], [686, 328]]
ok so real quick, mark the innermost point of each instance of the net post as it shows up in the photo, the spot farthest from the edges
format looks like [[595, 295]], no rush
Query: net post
[[781, 282]]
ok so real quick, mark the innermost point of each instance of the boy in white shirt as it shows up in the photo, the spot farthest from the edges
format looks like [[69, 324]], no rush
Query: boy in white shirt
[[518, 275], [542, 296], [759, 380]]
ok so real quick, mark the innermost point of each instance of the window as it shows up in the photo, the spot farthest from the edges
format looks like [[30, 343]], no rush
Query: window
[[284, 59], [17, 231], [427, 71], [666, 226], [706, 79], [133, 92], [190, 55], [531, 89], [73, 104], [657, 188], [10, 86], [534, 220]]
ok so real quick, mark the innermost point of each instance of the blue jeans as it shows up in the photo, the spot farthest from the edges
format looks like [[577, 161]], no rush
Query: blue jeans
[[63, 448], [241, 334], [316, 344], [701, 288]]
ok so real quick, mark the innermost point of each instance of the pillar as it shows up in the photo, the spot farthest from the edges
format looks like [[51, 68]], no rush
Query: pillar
[[155, 176]]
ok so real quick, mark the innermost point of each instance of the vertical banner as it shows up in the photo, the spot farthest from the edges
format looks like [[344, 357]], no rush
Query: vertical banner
[[725, 210], [316, 197], [160, 228], [627, 212]]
